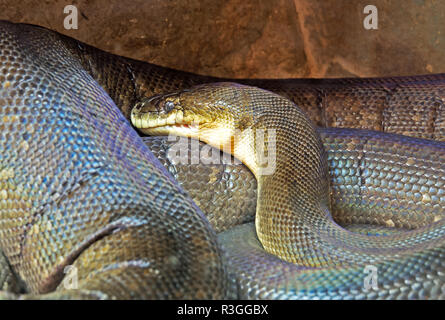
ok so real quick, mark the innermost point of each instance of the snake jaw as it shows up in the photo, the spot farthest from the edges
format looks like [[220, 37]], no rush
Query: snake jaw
[[174, 123], [168, 115], [155, 115]]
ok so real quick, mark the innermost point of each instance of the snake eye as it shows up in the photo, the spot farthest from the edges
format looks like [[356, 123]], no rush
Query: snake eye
[[169, 106]]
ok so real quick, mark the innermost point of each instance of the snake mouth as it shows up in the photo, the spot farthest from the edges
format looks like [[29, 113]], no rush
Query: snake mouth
[[159, 116], [153, 123], [173, 114]]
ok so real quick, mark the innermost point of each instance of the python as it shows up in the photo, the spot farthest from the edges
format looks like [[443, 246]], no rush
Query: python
[[84, 190]]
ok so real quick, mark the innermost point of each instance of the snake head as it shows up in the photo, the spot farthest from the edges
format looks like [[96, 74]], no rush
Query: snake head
[[205, 112], [225, 115], [159, 115]]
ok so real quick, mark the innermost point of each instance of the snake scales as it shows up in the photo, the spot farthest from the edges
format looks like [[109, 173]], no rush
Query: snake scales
[[79, 187]]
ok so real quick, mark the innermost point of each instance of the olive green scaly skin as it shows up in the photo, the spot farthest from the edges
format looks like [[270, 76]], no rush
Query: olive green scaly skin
[[43, 61], [293, 220], [79, 188], [368, 193]]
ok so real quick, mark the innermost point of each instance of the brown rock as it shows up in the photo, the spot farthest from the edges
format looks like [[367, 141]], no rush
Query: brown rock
[[256, 38]]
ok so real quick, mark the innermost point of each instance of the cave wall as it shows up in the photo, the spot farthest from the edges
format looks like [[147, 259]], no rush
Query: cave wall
[[256, 38]]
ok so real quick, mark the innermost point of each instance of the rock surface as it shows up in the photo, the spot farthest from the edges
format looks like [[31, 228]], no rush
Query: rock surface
[[256, 38]]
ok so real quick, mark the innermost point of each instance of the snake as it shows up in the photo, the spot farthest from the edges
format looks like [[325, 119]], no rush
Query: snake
[[293, 221], [80, 188]]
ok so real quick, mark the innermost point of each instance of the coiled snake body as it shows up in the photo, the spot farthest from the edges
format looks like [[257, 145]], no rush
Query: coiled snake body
[[80, 188]]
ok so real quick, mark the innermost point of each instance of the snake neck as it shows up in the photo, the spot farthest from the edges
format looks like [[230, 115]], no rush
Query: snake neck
[[287, 157]]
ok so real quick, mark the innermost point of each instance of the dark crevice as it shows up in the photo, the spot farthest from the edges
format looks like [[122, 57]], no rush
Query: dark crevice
[[69, 191], [436, 112], [19, 286], [384, 109], [56, 276], [322, 103]]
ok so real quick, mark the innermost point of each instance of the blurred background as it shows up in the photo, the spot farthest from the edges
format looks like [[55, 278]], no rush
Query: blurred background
[[256, 38]]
